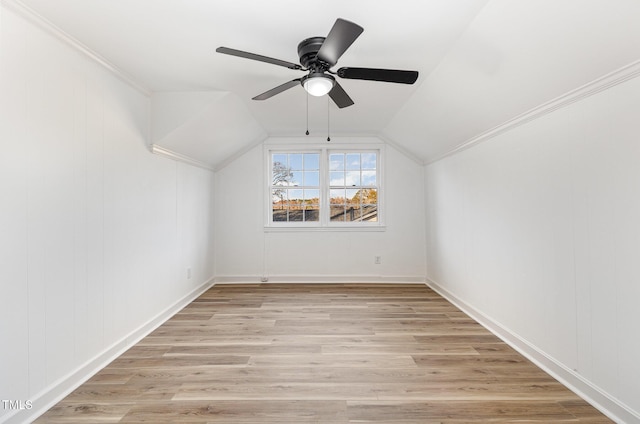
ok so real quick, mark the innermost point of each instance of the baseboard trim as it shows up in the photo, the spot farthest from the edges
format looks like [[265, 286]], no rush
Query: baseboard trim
[[605, 403], [329, 279], [58, 390]]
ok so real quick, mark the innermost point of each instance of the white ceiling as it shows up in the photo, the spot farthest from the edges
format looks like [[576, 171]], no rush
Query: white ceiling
[[481, 63]]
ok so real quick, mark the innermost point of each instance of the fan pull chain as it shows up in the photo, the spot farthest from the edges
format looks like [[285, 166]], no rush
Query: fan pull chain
[[328, 120], [307, 133]]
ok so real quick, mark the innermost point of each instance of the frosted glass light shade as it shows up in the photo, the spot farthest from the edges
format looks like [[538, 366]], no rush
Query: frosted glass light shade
[[318, 85]]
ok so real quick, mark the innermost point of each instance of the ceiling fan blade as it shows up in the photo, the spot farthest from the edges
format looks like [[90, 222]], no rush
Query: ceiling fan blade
[[277, 90], [341, 36], [339, 96], [258, 57], [384, 75]]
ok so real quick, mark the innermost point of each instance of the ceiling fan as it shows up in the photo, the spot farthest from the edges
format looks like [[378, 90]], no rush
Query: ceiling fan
[[317, 56]]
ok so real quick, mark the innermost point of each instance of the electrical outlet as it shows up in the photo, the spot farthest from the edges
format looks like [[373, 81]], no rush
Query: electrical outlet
[[188, 273], [377, 260]]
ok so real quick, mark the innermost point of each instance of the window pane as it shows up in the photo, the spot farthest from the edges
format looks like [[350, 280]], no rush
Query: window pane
[[353, 161], [312, 213], [294, 193], [295, 197], [296, 180], [370, 213], [336, 162], [281, 174], [368, 178], [295, 204], [295, 161], [280, 158], [337, 213], [370, 196], [296, 215], [312, 196], [370, 205], [337, 197], [353, 178], [353, 213], [336, 178], [354, 196], [369, 161], [311, 161], [279, 197], [279, 204], [312, 178], [280, 215]]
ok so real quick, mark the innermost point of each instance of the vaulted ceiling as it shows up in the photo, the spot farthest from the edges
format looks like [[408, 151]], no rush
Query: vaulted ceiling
[[481, 63]]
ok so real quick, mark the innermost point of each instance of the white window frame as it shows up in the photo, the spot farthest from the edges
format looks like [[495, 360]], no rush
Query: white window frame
[[324, 224]]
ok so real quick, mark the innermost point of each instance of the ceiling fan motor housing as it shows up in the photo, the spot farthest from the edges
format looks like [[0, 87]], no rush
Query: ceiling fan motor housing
[[308, 50]]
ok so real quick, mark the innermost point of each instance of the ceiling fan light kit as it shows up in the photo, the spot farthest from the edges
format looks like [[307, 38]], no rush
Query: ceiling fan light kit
[[317, 55], [318, 84]]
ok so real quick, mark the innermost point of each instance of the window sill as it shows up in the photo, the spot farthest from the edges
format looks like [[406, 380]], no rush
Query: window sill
[[317, 229]]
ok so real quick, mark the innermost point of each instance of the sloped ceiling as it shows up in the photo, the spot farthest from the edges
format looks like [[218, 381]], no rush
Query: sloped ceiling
[[481, 63], [515, 56], [189, 122]]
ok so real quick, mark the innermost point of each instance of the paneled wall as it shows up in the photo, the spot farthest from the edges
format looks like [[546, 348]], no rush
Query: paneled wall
[[96, 233], [244, 251], [538, 229]]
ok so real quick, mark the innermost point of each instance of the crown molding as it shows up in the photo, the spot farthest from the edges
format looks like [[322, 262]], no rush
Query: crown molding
[[158, 150], [603, 83], [404, 151], [32, 16]]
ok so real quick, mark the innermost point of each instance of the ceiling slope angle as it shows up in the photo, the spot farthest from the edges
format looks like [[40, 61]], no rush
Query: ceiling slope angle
[[513, 60], [209, 127], [415, 36], [169, 46]]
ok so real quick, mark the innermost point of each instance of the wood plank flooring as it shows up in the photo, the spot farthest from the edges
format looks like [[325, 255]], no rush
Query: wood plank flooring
[[321, 353]]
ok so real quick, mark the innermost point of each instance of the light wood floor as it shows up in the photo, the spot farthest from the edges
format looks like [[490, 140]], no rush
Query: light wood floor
[[324, 353]]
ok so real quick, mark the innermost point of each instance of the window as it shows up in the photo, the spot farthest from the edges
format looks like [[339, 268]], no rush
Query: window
[[295, 187], [353, 189], [324, 188]]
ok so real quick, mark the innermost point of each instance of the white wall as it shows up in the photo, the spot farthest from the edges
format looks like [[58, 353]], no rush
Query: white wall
[[96, 232], [244, 251], [538, 230]]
